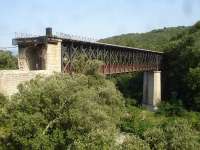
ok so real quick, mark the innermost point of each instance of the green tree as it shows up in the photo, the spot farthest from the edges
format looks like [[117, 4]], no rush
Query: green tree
[[7, 60], [193, 81], [180, 57], [130, 85], [62, 111]]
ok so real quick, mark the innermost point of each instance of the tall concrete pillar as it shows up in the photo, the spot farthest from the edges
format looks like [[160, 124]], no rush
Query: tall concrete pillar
[[152, 89]]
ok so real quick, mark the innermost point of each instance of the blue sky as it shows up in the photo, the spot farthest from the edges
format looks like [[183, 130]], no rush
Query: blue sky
[[93, 18]]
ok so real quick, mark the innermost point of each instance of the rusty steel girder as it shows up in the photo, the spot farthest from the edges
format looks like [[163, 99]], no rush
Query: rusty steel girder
[[116, 59]]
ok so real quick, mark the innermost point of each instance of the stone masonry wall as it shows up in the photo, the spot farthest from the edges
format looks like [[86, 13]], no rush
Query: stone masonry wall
[[41, 59], [53, 56], [10, 79]]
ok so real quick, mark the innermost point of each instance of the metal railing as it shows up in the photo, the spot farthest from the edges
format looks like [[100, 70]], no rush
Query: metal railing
[[57, 35], [74, 37], [24, 35]]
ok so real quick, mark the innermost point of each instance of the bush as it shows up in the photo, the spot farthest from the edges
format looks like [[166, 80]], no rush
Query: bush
[[130, 85], [179, 135], [156, 138], [131, 101], [3, 100], [195, 27], [82, 64], [136, 121], [61, 112], [134, 143], [194, 119], [174, 134], [171, 108]]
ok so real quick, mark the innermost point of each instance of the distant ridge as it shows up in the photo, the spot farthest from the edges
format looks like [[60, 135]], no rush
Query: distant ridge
[[153, 40]]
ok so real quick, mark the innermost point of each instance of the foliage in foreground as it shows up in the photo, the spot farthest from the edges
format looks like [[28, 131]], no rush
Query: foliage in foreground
[[171, 108], [63, 112], [60, 112], [132, 142], [162, 132]]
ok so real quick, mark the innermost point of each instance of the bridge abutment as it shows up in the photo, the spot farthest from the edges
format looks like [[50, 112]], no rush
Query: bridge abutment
[[46, 56], [151, 89]]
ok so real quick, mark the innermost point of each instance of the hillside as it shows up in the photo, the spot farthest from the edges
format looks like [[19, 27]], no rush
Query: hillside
[[154, 40]]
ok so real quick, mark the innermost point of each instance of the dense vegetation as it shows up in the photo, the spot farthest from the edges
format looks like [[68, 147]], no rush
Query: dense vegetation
[[181, 68], [87, 112], [62, 112], [7, 60], [181, 63]]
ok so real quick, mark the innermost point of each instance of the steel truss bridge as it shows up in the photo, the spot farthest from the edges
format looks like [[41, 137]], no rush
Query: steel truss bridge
[[116, 59]]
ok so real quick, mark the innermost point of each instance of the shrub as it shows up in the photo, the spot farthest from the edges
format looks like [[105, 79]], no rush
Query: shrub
[[179, 135], [136, 121], [61, 112], [3, 100], [131, 101], [175, 134], [82, 64], [156, 138], [171, 108], [134, 143], [195, 27], [130, 85], [194, 119]]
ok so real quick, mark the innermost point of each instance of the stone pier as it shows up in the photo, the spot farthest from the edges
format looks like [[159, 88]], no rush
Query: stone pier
[[152, 89]]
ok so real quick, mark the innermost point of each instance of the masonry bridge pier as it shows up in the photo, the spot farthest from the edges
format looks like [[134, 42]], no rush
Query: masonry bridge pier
[[56, 53]]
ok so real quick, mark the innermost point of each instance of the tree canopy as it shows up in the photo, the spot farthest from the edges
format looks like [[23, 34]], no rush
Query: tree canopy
[[7, 60], [62, 112]]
